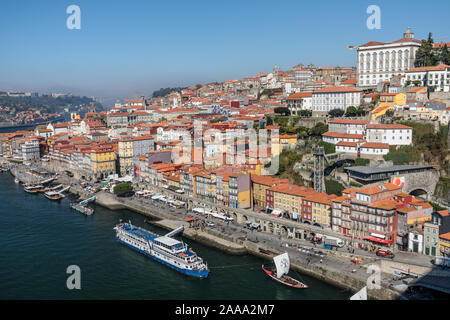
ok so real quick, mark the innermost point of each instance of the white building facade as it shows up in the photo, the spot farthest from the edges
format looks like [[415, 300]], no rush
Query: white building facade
[[436, 76], [30, 150], [392, 134], [329, 98], [378, 62]]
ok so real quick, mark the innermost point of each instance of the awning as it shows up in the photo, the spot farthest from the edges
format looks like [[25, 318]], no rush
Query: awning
[[376, 235], [276, 213], [375, 239]]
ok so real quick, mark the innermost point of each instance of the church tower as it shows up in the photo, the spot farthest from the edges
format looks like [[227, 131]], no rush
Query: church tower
[[408, 34]]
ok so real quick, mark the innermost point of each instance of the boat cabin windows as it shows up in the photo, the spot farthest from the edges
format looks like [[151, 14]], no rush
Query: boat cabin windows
[[169, 244]]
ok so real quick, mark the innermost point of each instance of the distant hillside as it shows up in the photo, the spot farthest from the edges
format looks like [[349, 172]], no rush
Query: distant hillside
[[48, 103], [164, 91]]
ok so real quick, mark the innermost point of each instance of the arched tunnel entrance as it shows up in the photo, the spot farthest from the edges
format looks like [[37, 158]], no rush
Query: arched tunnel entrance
[[420, 193]]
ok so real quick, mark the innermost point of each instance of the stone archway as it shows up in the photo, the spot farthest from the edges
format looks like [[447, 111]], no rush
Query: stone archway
[[284, 231], [271, 227], [234, 216], [420, 193]]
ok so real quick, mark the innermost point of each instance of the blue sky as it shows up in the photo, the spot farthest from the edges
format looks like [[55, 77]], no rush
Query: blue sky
[[128, 46]]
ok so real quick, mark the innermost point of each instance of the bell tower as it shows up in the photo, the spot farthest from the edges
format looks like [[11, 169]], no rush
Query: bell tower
[[408, 34]]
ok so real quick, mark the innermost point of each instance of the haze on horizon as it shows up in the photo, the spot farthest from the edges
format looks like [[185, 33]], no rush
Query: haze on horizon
[[129, 48]]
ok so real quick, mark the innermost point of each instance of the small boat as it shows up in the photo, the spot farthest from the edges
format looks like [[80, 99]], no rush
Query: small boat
[[31, 189], [83, 209], [53, 195], [16, 180], [282, 265]]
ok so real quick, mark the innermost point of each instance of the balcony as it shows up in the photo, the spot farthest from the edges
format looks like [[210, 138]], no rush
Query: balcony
[[365, 220]]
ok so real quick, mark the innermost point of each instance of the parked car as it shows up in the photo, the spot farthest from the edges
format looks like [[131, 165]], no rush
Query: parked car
[[385, 253], [209, 223]]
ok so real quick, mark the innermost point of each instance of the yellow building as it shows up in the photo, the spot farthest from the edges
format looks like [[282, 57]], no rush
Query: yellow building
[[321, 205], [103, 162], [125, 156], [240, 190], [388, 101], [444, 243], [288, 141], [275, 140], [74, 116], [260, 184], [287, 197], [173, 180]]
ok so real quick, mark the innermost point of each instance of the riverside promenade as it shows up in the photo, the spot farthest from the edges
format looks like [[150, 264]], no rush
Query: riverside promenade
[[334, 267]]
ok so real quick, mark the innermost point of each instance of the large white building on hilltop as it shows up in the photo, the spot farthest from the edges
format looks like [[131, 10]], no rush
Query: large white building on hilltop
[[379, 61]]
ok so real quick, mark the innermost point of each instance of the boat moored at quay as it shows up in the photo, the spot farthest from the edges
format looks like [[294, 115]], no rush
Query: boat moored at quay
[[164, 249]]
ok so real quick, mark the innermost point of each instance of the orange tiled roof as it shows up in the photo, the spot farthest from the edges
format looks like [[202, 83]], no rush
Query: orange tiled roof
[[299, 95], [349, 121], [417, 89], [374, 145], [268, 180], [387, 126], [343, 135], [441, 67], [292, 190], [336, 89], [445, 236]]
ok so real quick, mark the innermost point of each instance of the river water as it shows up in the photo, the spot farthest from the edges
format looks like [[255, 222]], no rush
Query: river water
[[40, 238]]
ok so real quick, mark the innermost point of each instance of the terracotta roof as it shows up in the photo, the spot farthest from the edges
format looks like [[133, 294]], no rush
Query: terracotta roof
[[417, 89], [268, 180], [343, 135], [349, 121], [387, 126], [440, 67], [441, 44], [445, 236], [350, 81], [443, 213], [336, 89], [299, 95], [292, 190], [346, 144], [374, 145], [376, 43]]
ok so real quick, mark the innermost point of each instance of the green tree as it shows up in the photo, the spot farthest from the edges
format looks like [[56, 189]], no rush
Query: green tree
[[122, 188], [305, 113], [444, 54], [336, 113], [425, 55], [351, 112], [319, 129], [269, 121], [390, 113], [282, 110]]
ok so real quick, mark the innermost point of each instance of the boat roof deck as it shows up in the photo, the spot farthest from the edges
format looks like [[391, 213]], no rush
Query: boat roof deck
[[140, 232]]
